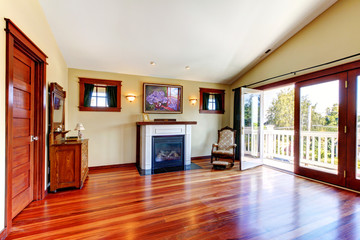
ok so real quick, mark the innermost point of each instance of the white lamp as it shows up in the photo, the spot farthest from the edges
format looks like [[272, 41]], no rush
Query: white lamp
[[78, 128], [130, 97]]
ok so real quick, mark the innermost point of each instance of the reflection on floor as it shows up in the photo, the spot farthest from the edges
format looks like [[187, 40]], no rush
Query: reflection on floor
[[248, 165], [249, 162], [282, 164], [169, 169]]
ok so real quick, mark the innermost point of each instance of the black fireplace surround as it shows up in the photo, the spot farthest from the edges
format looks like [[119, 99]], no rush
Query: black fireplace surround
[[167, 153]]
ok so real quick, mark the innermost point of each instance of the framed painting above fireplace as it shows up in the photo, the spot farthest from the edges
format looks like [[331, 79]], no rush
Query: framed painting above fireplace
[[162, 98]]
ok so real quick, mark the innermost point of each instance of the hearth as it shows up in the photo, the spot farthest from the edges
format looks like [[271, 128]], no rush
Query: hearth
[[163, 147], [168, 151]]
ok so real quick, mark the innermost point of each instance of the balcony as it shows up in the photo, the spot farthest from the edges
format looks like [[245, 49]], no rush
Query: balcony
[[319, 151]]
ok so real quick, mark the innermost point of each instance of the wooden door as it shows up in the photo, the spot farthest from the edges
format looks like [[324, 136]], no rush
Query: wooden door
[[352, 173], [22, 151], [25, 117], [320, 128]]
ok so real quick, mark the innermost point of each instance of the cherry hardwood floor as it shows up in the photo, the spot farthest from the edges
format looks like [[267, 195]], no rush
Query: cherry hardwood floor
[[260, 203]]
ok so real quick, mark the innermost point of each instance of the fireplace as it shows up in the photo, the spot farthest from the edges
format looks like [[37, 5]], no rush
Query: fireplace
[[163, 146], [168, 151]]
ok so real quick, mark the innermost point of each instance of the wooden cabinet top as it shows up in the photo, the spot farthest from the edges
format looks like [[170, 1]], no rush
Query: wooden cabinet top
[[69, 142]]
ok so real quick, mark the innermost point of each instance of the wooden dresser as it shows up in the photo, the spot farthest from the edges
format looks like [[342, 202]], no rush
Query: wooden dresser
[[68, 164]]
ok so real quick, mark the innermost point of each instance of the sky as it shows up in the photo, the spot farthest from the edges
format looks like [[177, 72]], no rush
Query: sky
[[324, 94]]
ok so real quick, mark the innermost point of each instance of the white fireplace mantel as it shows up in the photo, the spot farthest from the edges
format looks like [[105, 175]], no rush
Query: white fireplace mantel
[[146, 131]]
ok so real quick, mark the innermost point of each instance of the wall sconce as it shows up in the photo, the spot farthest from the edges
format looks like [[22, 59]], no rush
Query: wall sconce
[[193, 101], [130, 98]]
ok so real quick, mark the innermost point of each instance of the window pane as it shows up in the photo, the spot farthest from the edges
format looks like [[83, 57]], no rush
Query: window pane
[[99, 98], [357, 167], [211, 104], [93, 100], [101, 102], [319, 121], [251, 126], [101, 91]]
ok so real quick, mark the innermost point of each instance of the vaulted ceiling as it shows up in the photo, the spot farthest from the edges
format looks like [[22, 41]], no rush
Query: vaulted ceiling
[[218, 39]]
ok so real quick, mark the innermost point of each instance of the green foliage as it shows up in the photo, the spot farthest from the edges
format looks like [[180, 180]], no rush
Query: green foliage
[[281, 112], [332, 115], [317, 119], [248, 110]]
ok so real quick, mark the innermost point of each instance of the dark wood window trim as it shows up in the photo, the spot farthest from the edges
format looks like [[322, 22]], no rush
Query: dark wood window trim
[[103, 83], [215, 91]]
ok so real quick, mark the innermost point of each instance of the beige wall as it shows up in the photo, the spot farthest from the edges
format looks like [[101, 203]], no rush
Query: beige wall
[[113, 134], [29, 17], [334, 34]]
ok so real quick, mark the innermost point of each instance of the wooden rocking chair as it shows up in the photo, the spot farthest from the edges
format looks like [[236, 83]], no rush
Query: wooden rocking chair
[[224, 149]]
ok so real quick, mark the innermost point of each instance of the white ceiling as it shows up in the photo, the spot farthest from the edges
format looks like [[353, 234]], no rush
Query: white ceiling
[[219, 39]]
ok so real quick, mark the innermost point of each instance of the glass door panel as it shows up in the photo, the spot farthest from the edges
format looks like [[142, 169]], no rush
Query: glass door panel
[[319, 124], [251, 139]]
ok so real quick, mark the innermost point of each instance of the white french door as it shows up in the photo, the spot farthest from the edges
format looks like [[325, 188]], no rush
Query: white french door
[[252, 128]]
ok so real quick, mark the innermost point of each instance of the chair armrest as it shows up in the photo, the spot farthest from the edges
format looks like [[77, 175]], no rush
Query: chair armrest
[[233, 145], [215, 145]]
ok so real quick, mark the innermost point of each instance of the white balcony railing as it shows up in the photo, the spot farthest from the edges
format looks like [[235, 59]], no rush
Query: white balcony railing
[[320, 149]]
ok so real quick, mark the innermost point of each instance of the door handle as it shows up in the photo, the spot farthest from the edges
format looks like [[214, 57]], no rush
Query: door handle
[[34, 138]]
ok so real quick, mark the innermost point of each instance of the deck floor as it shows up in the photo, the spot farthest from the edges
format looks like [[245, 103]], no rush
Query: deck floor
[[259, 203]]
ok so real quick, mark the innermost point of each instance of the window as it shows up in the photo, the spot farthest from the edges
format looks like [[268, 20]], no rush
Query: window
[[212, 100], [99, 95]]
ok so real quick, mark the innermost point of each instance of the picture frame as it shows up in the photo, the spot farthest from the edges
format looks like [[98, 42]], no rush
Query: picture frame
[[146, 117], [162, 98]]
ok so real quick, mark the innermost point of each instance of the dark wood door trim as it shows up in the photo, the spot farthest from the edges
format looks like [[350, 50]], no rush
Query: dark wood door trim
[[311, 173], [313, 75], [351, 180], [15, 38]]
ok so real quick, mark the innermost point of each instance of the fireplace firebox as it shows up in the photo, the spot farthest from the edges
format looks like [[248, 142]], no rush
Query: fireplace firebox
[[168, 152], [146, 161]]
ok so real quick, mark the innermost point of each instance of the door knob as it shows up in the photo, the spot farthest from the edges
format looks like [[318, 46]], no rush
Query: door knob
[[34, 138]]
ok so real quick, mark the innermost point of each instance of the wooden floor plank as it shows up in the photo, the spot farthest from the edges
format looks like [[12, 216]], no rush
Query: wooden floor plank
[[260, 203]]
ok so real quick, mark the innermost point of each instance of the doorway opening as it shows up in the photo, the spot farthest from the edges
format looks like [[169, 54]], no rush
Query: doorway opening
[[311, 127], [279, 127]]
